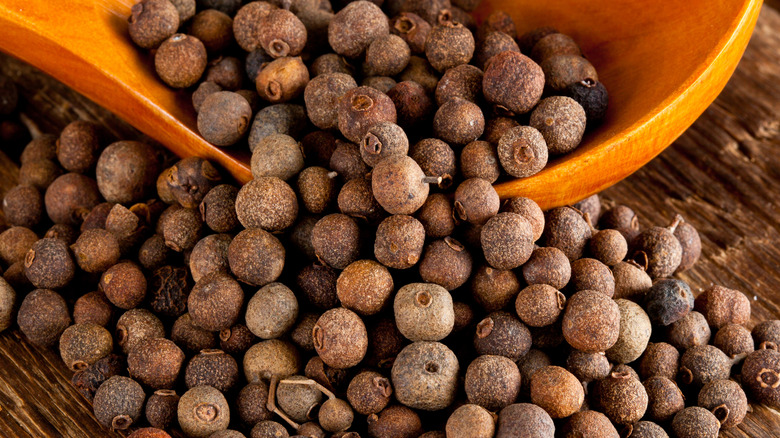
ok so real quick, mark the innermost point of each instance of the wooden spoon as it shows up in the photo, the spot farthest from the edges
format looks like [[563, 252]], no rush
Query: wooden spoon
[[662, 62]]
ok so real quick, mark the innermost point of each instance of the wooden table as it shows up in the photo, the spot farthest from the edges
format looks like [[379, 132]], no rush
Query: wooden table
[[722, 175]]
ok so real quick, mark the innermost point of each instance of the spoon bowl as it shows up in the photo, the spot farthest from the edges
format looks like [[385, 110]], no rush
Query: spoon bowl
[[663, 63]]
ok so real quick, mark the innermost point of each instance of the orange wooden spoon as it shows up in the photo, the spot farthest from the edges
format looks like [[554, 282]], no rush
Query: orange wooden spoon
[[662, 62]]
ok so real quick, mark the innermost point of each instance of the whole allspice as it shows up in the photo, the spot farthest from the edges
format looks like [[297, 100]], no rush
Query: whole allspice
[[621, 397], [298, 398], [524, 420], [588, 366], [155, 362], [522, 151], [425, 376], [502, 334], [267, 202], [124, 284], [224, 118], [369, 392], [43, 316], [507, 241], [556, 391], [664, 398], [561, 121], [591, 321], [203, 411], [118, 403], [701, 364], [424, 312], [471, 420], [256, 257], [476, 201], [493, 289], [547, 265], [180, 60], [399, 184], [501, 85], [340, 338], [695, 422], [761, 376], [81, 345], [126, 171], [721, 306], [335, 415], [151, 22], [726, 400], [336, 240], [567, 230], [635, 331], [458, 121], [96, 250], [215, 301], [362, 107], [395, 421], [364, 286], [188, 181], [399, 241], [355, 26], [271, 311], [589, 423], [447, 263], [659, 250], [161, 408], [48, 264], [539, 305], [668, 301], [492, 382], [23, 206]]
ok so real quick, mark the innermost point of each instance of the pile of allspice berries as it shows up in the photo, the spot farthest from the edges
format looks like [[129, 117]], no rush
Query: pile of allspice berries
[[358, 286]]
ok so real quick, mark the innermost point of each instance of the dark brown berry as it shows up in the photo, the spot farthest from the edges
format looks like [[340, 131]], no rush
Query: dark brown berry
[[567, 230], [81, 345], [23, 206], [210, 255], [394, 421], [556, 391], [336, 240], [726, 400], [690, 242], [449, 44], [412, 29], [621, 218], [169, 287], [471, 420], [190, 337], [382, 140], [631, 281], [190, 179], [355, 26], [588, 366], [155, 362], [357, 200], [340, 338], [723, 306], [593, 97], [70, 198], [224, 118], [213, 28], [161, 408], [347, 162], [476, 201], [695, 422], [180, 61], [387, 55], [591, 321], [92, 307], [659, 359], [524, 419], [767, 334], [691, 330], [118, 403], [658, 250], [664, 398], [561, 121], [539, 305], [621, 397], [446, 262], [124, 284], [369, 392], [494, 289], [761, 374], [266, 202], [668, 301], [362, 107], [203, 411], [152, 22], [502, 87], [96, 250], [43, 316], [608, 246], [87, 381], [136, 325], [251, 403], [218, 208], [364, 286], [479, 159], [413, 106], [236, 340], [214, 368], [126, 171], [318, 284], [283, 118], [425, 376], [507, 241], [322, 95], [215, 302], [702, 364], [256, 257], [458, 121], [246, 24]]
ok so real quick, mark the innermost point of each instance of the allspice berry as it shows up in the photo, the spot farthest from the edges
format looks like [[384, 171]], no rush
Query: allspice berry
[[15, 242], [635, 331], [507, 241], [203, 411], [524, 420], [48, 264], [436, 216], [256, 257], [213, 368], [560, 71], [476, 201], [317, 188], [335, 415], [96, 250], [272, 311], [539, 305], [492, 382], [522, 151], [387, 55], [281, 33], [298, 398], [592, 95], [267, 202], [767, 334], [734, 340], [354, 27], [668, 301], [621, 397], [399, 184], [124, 284], [690, 243], [189, 180], [210, 255], [702, 364], [591, 274], [364, 286], [691, 330], [118, 403], [471, 420], [218, 208], [661, 250], [336, 240], [136, 325], [449, 44], [591, 321], [399, 241], [149, 432], [502, 334], [369, 392], [155, 362], [608, 246], [126, 171], [215, 302], [424, 312], [251, 403], [726, 400], [547, 265], [567, 230], [161, 408], [436, 158], [695, 422], [761, 376], [425, 376], [502, 87], [664, 398], [224, 118], [23, 206], [362, 107], [561, 121], [493, 289], [270, 358], [191, 337], [458, 121], [395, 421], [340, 338], [723, 306], [70, 197], [447, 263], [556, 391], [322, 95], [588, 366], [81, 345], [413, 29], [589, 423], [180, 60], [181, 228], [151, 22], [479, 159], [382, 140]]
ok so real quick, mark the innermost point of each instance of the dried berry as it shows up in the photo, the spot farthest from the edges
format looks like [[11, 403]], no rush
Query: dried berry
[[268, 203], [362, 107], [96, 250], [318, 284], [335, 415], [476, 201], [15, 242], [695, 422], [567, 230], [387, 55], [214, 368], [608, 246], [215, 302], [169, 288], [556, 391], [336, 240], [425, 376], [534, 215], [471, 420], [161, 408], [522, 151], [394, 421], [528, 365], [560, 71], [190, 179], [635, 331], [213, 28], [88, 380], [126, 171], [588, 366], [48, 264], [690, 242], [494, 289], [43, 316], [23, 206], [502, 87], [436, 158], [507, 240], [347, 162], [218, 208], [524, 420], [322, 95], [180, 61], [155, 362], [761, 374], [202, 411], [554, 44], [190, 337], [492, 382], [269, 429], [124, 284], [458, 121], [204, 90], [355, 26], [702, 364], [631, 281], [561, 121], [282, 80], [369, 392], [256, 257], [152, 21], [449, 44], [271, 311], [283, 118], [734, 340], [726, 400], [210, 255], [382, 140], [414, 107], [246, 24], [135, 325], [664, 398], [493, 44], [224, 118], [767, 334], [424, 312], [691, 330], [723, 306], [658, 250], [621, 397], [591, 274], [340, 338], [589, 423], [70, 197], [357, 200], [539, 305], [447, 263], [81, 345], [364, 287], [251, 403], [591, 321], [412, 29], [479, 159], [118, 403]]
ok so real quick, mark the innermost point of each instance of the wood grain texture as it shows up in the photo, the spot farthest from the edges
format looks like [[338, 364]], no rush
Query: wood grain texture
[[722, 175], [663, 64]]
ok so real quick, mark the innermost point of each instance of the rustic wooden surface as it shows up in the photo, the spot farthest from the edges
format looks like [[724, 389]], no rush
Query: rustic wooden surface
[[722, 175]]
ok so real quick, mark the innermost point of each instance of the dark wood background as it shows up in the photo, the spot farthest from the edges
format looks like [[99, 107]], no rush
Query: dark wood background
[[722, 175]]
